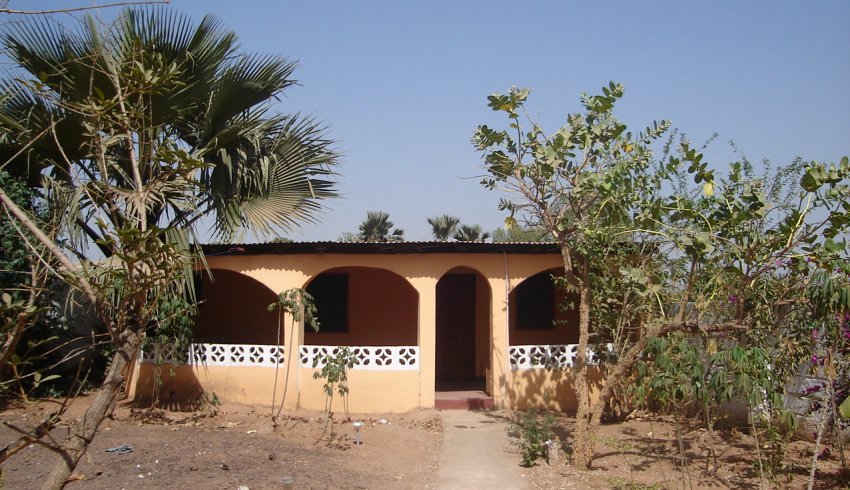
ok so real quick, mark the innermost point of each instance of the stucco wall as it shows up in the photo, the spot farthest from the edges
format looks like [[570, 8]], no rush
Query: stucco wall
[[410, 281], [551, 389], [242, 384], [369, 392], [254, 385], [382, 310]]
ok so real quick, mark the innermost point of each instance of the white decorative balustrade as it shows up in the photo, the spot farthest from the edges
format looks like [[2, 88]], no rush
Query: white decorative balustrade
[[374, 358], [222, 355], [547, 356]]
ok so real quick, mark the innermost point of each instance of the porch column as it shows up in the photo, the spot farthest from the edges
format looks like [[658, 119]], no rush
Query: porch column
[[500, 369], [427, 335]]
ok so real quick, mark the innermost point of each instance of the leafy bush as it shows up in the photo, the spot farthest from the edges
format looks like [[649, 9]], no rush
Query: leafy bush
[[530, 432]]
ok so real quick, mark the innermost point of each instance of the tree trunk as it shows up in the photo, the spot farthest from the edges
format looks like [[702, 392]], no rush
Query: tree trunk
[[14, 337], [583, 440], [11, 344], [86, 428]]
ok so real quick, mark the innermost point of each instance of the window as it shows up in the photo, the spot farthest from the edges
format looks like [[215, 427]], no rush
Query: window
[[330, 294], [198, 284], [535, 303]]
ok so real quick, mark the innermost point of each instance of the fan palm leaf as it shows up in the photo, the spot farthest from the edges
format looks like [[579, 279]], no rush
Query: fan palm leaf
[[442, 227], [254, 168], [377, 227], [471, 233]]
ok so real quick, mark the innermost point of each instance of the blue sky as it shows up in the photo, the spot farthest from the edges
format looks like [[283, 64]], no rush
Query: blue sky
[[402, 85]]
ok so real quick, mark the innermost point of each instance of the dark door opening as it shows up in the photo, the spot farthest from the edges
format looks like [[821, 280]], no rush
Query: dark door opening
[[455, 340]]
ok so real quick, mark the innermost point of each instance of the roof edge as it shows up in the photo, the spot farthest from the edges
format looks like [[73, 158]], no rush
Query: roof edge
[[380, 248]]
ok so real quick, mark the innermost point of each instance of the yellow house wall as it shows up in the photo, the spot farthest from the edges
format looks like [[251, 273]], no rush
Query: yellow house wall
[[255, 385], [370, 391], [550, 389], [242, 384], [382, 390]]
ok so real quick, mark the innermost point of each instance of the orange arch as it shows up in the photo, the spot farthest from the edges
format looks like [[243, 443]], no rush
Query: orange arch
[[565, 326], [234, 310], [382, 309]]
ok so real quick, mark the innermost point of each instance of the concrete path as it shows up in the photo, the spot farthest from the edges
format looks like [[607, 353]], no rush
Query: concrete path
[[475, 454]]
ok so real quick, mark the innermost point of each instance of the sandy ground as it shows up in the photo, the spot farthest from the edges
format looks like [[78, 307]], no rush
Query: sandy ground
[[239, 446], [645, 453]]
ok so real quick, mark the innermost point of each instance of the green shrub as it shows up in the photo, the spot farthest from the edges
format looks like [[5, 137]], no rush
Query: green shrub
[[530, 432]]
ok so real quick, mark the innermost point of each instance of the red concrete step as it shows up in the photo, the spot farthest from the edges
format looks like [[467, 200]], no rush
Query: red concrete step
[[463, 400]]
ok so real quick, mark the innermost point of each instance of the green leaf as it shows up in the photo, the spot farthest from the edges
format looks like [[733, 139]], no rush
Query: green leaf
[[844, 409], [832, 246], [50, 378], [809, 183]]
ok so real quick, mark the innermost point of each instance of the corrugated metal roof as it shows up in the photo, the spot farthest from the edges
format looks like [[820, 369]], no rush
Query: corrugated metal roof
[[380, 248]]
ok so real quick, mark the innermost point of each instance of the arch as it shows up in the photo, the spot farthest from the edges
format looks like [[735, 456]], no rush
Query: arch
[[381, 307], [234, 310], [463, 329], [541, 312]]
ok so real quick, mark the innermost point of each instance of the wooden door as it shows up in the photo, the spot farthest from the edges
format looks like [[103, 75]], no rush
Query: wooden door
[[455, 328]]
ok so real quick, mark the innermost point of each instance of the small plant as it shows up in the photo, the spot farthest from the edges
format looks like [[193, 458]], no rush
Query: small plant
[[530, 432], [209, 402], [298, 304], [335, 372]]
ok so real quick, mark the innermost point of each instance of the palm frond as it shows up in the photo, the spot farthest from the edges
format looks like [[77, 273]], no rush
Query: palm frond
[[264, 171]]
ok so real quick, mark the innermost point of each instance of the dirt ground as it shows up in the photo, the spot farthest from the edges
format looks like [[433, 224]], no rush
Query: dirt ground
[[644, 453], [239, 446]]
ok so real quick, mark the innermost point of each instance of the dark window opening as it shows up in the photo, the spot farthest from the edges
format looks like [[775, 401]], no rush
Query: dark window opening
[[330, 295], [535, 303], [198, 284]]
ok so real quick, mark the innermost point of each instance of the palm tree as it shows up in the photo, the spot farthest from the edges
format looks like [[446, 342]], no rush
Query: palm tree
[[467, 233], [135, 131], [257, 169], [443, 226], [377, 227]]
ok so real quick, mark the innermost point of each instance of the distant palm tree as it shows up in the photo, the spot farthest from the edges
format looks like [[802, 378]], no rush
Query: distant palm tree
[[377, 227], [467, 233], [442, 227]]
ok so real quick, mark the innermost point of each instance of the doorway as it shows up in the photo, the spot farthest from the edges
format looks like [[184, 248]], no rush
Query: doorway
[[455, 342]]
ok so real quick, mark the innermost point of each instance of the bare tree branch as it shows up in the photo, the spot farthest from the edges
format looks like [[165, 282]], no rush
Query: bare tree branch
[[63, 259]]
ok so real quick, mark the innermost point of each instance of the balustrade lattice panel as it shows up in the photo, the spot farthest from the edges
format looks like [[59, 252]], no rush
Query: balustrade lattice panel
[[220, 355], [547, 356], [375, 358]]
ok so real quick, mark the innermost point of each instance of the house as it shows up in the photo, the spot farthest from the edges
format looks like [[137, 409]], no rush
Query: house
[[423, 318]]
